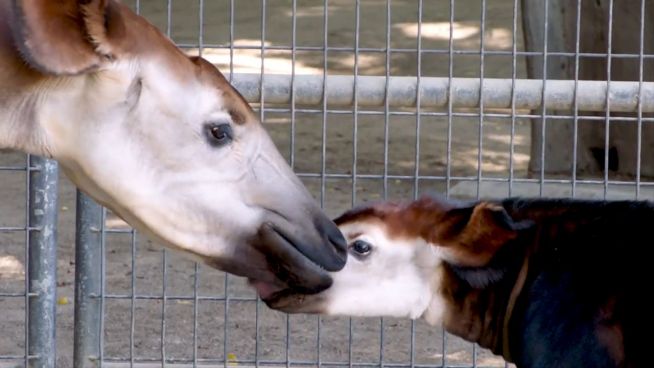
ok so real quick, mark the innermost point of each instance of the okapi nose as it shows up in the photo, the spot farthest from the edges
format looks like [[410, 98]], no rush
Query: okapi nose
[[339, 243], [336, 240]]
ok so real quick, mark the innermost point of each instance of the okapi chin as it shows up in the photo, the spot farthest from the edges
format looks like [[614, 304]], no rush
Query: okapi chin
[[541, 282]]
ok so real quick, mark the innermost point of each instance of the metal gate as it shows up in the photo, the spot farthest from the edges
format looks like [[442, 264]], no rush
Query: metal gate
[[367, 99]]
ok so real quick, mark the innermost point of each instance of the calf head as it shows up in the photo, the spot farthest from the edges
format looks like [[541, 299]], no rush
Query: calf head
[[399, 253]]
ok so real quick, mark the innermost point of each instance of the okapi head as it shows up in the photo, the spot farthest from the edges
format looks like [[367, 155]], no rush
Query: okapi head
[[161, 139], [402, 253]]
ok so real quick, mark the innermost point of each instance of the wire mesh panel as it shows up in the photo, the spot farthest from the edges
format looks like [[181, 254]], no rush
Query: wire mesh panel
[[13, 259], [367, 100], [164, 310]]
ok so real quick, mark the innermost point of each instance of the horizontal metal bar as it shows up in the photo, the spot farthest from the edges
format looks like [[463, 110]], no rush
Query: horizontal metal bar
[[473, 178], [210, 363], [177, 297], [17, 295], [8, 229], [16, 357], [206, 47], [118, 231], [584, 118], [13, 168], [402, 92]]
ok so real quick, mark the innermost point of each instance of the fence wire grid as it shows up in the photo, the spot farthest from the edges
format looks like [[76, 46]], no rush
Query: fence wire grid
[[367, 100]]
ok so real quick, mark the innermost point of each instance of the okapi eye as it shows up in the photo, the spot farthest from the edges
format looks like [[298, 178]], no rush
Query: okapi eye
[[221, 134], [361, 247]]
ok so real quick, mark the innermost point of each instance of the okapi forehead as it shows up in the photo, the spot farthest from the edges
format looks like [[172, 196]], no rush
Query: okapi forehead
[[374, 211], [469, 234], [210, 76], [132, 36], [403, 220]]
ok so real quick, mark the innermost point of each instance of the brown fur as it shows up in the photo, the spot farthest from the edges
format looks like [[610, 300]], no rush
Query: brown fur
[[67, 37], [471, 313], [609, 332], [52, 38], [63, 37], [542, 282], [471, 235], [239, 109]]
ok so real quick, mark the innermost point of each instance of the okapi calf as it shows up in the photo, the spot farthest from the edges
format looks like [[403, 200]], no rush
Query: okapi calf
[[542, 282]]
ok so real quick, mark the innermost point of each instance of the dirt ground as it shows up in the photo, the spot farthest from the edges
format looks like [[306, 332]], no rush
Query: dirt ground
[[404, 134]]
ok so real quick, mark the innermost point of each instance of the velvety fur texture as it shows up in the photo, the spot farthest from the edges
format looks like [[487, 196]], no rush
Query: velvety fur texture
[[542, 282]]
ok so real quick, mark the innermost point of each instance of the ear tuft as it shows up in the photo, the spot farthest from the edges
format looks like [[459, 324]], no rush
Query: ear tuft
[[103, 25]]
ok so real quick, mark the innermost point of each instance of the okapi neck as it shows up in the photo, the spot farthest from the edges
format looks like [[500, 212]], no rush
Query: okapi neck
[[480, 302]]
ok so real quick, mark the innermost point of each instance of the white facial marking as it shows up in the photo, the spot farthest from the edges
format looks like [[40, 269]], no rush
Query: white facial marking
[[397, 278], [164, 141], [149, 158]]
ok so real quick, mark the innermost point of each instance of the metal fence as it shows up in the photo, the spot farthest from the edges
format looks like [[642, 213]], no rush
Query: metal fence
[[367, 100]]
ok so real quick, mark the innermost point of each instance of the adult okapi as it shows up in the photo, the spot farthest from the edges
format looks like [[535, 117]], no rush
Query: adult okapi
[[542, 282], [160, 138]]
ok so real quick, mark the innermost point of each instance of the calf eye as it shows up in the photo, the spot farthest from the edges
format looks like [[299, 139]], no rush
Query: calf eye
[[220, 134], [361, 247]]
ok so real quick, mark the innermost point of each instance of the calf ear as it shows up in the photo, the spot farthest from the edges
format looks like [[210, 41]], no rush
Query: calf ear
[[473, 234], [65, 37]]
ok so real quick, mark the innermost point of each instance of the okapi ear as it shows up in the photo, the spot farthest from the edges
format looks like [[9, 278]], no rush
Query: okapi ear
[[65, 37], [473, 234]]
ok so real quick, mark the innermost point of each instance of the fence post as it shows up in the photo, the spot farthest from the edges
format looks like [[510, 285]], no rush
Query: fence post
[[43, 176], [88, 281], [583, 27]]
